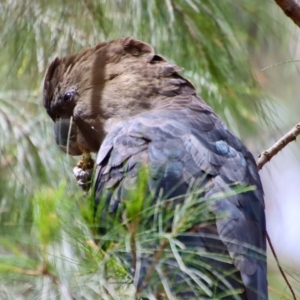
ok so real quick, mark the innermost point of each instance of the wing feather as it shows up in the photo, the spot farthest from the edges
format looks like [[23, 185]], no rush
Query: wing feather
[[187, 144]]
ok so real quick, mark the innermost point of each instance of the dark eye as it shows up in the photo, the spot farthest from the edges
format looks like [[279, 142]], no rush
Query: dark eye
[[67, 97]]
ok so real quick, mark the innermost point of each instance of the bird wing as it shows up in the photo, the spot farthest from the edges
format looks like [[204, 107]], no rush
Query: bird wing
[[180, 147]]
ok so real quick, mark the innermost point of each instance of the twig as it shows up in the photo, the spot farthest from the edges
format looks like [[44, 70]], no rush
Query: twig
[[280, 268], [291, 8], [42, 271], [262, 160], [279, 145], [157, 256]]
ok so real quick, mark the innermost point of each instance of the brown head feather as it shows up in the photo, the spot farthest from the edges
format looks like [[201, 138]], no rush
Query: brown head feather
[[110, 83]]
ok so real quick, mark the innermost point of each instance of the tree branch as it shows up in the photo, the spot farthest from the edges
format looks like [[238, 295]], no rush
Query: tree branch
[[156, 258], [263, 158], [266, 156], [291, 8], [280, 268]]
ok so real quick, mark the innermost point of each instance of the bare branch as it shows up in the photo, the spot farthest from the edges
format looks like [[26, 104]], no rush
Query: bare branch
[[291, 8], [262, 160], [280, 268], [266, 156]]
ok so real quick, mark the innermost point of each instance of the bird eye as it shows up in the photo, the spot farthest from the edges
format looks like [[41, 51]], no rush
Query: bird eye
[[67, 97]]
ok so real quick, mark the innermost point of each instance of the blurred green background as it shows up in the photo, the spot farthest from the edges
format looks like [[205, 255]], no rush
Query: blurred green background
[[224, 47]]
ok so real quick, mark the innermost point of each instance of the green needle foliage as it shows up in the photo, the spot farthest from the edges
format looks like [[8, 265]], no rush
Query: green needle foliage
[[146, 238], [47, 229]]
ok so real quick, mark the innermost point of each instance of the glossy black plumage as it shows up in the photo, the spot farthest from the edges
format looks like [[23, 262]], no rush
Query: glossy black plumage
[[132, 103], [184, 145]]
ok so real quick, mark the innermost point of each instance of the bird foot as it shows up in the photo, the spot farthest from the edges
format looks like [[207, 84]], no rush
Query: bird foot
[[83, 172]]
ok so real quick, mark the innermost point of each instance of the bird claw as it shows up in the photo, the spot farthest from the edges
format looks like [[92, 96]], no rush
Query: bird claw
[[83, 177], [83, 172]]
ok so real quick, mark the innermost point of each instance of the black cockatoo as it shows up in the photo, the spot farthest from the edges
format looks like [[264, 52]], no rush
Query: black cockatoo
[[134, 109]]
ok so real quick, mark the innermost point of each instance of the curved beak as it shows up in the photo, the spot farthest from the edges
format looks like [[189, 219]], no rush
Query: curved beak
[[65, 134]]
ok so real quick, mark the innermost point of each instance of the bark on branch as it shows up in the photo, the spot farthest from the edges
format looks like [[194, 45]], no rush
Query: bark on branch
[[266, 156], [291, 8]]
